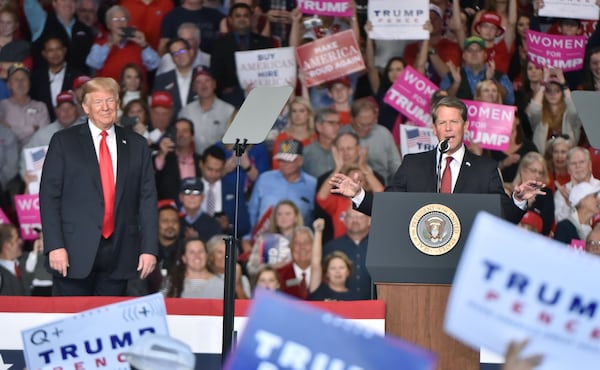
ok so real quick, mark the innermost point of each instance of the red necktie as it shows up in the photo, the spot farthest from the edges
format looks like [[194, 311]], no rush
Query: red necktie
[[108, 187], [446, 186], [17, 270], [303, 289]]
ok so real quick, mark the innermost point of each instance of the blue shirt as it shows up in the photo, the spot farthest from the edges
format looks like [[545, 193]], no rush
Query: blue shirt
[[36, 19], [271, 187], [474, 79]]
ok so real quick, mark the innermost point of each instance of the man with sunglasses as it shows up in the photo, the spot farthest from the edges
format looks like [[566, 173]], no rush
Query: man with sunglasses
[[178, 81], [194, 222]]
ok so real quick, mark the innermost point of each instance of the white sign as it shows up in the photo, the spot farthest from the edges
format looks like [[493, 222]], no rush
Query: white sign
[[94, 338], [513, 284], [398, 20], [266, 67], [414, 139], [569, 9]]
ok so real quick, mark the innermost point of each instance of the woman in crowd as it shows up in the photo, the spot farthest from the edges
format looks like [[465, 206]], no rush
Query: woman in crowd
[[191, 278], [300, 126], [132, 84], [552, 111], [216, 263], [489, 91], [12, 49], [136, 117], [532, 79], [556, 158], [533, 167], [336, 267], [273, 247], [381, 82]]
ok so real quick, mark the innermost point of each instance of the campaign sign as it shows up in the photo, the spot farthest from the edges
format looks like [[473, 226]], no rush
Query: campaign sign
[[330, 58], [490, 125], [564, 52], [398, 20], [569, 9], [266, 67], [411, 95], [28, 213], [415, 139], [96, 338], [335, 8], [513, 284], [316, 339], [3, 218]]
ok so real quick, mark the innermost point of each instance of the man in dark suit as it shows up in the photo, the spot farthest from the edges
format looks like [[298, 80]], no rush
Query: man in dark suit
[[219, 198], [461, 170], [12, 266], [223, 56], [48, 80], [98, 201], [183, 58]]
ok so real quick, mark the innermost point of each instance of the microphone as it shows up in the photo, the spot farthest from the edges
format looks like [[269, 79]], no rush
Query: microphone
[[443, 148]]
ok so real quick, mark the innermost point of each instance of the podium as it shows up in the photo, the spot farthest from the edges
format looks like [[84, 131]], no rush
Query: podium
[[415, 243]]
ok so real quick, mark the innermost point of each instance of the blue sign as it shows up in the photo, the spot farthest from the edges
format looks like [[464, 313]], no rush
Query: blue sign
[[282, 333]]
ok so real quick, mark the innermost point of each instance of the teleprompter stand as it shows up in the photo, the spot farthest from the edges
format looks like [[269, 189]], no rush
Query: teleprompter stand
[[250, 126]]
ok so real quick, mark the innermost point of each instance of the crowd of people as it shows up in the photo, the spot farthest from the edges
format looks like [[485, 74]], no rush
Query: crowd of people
[[174, 63]]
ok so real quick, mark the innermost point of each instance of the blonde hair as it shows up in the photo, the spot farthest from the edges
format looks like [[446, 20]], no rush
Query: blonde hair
[[488, 83], [100, 84], [526, 161], [273, 228], [554, 120], [311, 114]]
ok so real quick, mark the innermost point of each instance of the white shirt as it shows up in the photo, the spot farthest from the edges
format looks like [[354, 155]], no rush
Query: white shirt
[[298, 271], [217, 191], [9, 265], [111, 141], [455, 165], [183, 82], [56, 81]]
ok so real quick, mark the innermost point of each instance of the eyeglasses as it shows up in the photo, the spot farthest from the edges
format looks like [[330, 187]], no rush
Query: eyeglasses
[[562, 136], [191, 192], [178, 52], [119, 19]]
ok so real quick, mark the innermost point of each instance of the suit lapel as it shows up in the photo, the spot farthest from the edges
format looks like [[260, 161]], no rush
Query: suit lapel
[[89, 153], [122, 164], [466, 171], [430, 183]]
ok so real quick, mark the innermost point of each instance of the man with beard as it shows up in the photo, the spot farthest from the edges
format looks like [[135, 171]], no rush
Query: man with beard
[[169, 243]]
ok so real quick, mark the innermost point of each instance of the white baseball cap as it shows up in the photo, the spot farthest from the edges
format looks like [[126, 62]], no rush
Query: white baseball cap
[[159, 352]]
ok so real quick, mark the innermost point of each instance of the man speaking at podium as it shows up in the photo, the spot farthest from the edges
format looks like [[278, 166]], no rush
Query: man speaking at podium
[[460, 171]]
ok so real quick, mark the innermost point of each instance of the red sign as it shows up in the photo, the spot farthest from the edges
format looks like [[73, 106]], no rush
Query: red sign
[[330, 58]]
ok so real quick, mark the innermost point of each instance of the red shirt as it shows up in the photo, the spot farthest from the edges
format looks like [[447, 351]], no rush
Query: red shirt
[[118, 57], [500, 54], [148, 17], [448, 50]]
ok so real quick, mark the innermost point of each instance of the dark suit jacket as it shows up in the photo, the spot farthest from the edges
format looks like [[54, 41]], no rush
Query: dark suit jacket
[[478, 175], [40, 86], [228, 203], [168, 82], [72, 204], [168, 180], [222, 62]]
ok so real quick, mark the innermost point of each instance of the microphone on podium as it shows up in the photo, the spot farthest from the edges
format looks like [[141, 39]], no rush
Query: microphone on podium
[[443, 148]]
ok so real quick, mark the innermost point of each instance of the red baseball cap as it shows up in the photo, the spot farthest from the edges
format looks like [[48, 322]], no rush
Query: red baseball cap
[[201, 71], [533, 219], [79, 81], [493, 18], [161, 99], [65, 97]]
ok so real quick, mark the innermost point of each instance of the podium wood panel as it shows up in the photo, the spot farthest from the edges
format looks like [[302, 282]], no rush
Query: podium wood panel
[[415, 312]]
